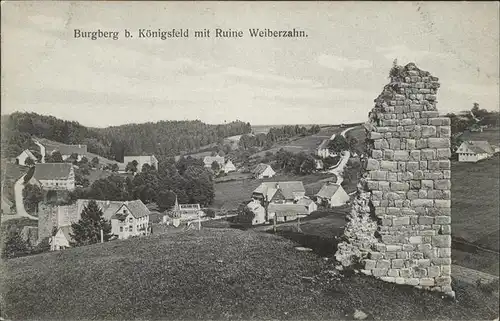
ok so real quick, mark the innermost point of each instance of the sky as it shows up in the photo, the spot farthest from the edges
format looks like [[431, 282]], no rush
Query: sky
[[329, 77]]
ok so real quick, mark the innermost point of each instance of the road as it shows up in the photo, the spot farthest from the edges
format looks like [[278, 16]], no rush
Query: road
[[42, 150], [338, 170], [18, 191]]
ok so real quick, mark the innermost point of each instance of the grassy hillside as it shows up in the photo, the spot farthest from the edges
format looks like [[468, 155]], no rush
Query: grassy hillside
[[492, 135], [475, 202], [212, 274]]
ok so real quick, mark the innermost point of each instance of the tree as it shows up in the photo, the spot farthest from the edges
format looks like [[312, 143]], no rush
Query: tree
[[338, 144], [131, 167], [32, 195], [88, 229], [114, 167], [166, 200], [14, 245], [94, 162], [55, 157], [29, 162], [215, 166], [209, 212]]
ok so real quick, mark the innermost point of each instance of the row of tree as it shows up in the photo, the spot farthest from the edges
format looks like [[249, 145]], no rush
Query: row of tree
[[276, 134], [160, 138]]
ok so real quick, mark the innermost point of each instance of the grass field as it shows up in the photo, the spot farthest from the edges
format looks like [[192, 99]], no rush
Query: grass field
[[492, 135], [306, 144], [228, 195], [10, 173], [213, 274], [475, 202]]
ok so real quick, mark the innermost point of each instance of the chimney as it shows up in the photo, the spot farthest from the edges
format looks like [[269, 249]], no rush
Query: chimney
[[277, 185]]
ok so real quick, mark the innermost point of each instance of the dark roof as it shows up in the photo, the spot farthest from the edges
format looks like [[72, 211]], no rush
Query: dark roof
[[52, 171], [108, 207], [288, 189], [136, 208], [70, 149], [479, 146], [287, 209], [324, 144], [328, 190]]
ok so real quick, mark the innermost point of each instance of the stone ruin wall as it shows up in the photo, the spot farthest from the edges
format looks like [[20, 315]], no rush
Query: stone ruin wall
[[399, 228]]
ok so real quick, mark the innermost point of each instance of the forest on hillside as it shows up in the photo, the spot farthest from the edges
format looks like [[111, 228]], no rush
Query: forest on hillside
[[163, 138]]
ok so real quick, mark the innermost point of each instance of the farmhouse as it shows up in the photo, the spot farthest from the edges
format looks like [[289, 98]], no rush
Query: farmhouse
[[229, 167], [259, 212], [208, 160], [62, 239], [141, 160], [68, 150], [308, 204], [332, 195], [131, 219], [263, 171], [323, 150], [279, 192], [55, 176], [286, 212], [25, 154], [473, 151]]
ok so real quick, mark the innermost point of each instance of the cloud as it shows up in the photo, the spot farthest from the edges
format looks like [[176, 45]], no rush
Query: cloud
[[342, 63]]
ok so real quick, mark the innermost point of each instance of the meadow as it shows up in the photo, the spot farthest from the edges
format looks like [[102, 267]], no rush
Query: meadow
[[218, 274]]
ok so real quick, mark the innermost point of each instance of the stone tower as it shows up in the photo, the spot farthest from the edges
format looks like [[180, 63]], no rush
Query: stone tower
[[399, 228]]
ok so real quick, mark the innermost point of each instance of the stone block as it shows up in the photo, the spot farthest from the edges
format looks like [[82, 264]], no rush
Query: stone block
[[388, 154], [379, 272], [401, 155], [441, 261], [427, 154], [424, 263], [421, 143], [433, 271], [380, 247], [405, 220], [397, 263], [443, 281], [393, 248], [426, 282], [384, 186], [445, 229], [383, 264], [388, 165], [400, 280], [422, 203], [366, 272], [375, 135], [442, 184], [427, 184], [393, 272], [415, 239], [375, 255], [419, 272], [389, 279], [444, 252], [392, 177], [426, 220], [442, 220], [377, 154], [428, 131], [395, 211], [405, 273], [443, 153], [370, 264], [444, 164], [372, 164], [412, 281], [438, 142], [446, 270], [412, 166], [399, 186], [442, 203], [378, 175]]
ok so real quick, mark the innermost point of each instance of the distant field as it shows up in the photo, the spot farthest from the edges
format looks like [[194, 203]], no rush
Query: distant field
[[492, 135], [306, 144], [475, 202]]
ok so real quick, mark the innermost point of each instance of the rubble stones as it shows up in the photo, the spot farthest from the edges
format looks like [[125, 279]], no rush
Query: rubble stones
[[406, 237]]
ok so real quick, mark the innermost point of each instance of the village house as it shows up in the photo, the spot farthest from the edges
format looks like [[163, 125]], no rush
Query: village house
[[185, 212], [263, 171], [141, 160], [53, 216], [332, 195], [229, 167], [259, 212], [25, 154], [54, 176], [68, 150], [131, 219], [62, 240], [286, 212], [323, 150], [473, 151], [279, 192], [208, 161]]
